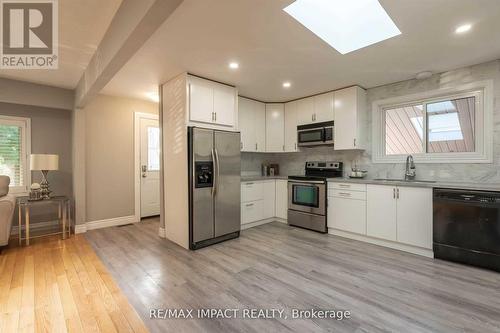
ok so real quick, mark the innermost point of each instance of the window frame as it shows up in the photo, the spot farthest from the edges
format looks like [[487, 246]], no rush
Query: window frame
[[483, 93], [25, 124]]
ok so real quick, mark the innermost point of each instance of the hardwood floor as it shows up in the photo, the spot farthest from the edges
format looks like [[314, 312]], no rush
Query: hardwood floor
[[276, 266], [61, 286]]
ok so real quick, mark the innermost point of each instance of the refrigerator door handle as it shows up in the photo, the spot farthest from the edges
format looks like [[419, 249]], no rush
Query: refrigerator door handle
[[216, 181], [215, 176]]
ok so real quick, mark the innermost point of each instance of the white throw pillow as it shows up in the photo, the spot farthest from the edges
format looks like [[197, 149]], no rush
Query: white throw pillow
[[4, 185]]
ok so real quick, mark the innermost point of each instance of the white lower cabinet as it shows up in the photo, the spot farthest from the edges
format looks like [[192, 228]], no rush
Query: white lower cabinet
[[394, 216], [269, 198], [400, 214], [414, 216], [347, 214], [282, 199], [251, 211], [381, 212], [263, 200], [347, 207]]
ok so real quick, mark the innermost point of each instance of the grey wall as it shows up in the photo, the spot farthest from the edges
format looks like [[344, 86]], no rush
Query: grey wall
[[293, 163], [109, 144], [50, 134]]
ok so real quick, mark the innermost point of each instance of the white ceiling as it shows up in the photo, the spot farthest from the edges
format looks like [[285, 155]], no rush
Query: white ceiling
[[203, 36], [82, 25]]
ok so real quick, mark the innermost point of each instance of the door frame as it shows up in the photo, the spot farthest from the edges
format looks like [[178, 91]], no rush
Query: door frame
[[137, 159]]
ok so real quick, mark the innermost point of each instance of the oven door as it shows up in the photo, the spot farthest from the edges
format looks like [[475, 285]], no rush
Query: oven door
[[311, 137], [307, 196]]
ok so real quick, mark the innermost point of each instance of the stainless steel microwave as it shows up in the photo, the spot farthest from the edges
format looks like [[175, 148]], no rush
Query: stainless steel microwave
[[317, 134]]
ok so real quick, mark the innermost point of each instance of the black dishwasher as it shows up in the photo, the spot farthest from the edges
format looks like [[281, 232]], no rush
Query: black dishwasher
[[467, 227]]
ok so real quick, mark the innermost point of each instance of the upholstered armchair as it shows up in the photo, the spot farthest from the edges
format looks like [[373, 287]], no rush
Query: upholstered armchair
[[7, 206]]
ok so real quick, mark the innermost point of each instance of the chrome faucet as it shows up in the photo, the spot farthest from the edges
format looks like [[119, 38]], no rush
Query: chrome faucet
[[410, 168]]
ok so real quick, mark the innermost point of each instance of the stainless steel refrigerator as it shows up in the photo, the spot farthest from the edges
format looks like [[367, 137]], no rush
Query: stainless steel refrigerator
[[214, 186]]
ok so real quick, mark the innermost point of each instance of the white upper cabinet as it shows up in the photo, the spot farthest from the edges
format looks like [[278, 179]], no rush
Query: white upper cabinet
[[252, 125], [212, 103], [323, 107], [275, 127], [246, 120], [291, 122], [201, 100], [260, 126], [305, 110], [350, 115], [224, 105]]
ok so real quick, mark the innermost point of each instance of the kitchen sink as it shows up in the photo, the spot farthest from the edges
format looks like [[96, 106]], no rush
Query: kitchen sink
[[404, 180]]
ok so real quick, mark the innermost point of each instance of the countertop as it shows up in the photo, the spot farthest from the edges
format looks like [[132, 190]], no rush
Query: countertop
[[250, 178], [437, 184]]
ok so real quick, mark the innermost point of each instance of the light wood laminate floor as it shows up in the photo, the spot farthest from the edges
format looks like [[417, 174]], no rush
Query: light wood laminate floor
[[276, 266], [61, 286]]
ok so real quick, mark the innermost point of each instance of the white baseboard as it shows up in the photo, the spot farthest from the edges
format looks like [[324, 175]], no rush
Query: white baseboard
[[161, 232], [81, 228], [261, 222], [393, 245]]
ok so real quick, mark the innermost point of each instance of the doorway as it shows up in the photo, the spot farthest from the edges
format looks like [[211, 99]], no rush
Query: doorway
[[147, 165]]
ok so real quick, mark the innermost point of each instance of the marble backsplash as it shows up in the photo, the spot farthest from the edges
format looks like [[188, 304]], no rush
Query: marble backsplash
[[293, 163]]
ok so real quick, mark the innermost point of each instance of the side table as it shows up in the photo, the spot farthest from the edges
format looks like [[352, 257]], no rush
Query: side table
[[63, 204]]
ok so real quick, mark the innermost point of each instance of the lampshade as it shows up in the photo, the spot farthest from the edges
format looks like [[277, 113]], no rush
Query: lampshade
[[44, 162]]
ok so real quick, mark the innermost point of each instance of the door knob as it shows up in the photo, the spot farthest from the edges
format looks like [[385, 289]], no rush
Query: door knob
[[144, 168]]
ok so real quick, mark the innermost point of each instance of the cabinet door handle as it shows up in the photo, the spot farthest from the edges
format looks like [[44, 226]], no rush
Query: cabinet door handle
[[394, 193], [283, 147], [295, 146], [345, 194], [256, 146], [249, 205], [248, 184], [215, 116], [354, 142], [344, 185], [397, 193]]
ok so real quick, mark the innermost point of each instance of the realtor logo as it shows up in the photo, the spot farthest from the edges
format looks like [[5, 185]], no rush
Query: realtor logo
[[29, 33]]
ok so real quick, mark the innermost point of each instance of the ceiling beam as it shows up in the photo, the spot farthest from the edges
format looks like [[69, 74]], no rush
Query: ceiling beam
[[133, 24]]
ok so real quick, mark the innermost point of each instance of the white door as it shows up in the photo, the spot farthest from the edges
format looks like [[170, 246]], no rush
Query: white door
[[415, 216], [201, 101], [246, 119], [346, 121], [269, 207], [150, 167], [275, 128], [347, 214], [282, 198], [305, 111], [260, 126], [323, 107], [224, 105], [291, 126], [381, 212]]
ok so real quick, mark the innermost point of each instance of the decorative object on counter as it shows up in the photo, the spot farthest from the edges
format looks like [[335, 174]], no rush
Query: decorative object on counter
[[35, 192], [357, 172], [44, 163], [270, 169]]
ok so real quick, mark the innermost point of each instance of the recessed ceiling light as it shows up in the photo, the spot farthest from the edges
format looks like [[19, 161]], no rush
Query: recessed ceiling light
[[287, 84], [345, 25], [234, 65], [153, 96], [463, 28]]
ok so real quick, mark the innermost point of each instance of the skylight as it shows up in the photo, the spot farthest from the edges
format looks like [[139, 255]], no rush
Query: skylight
[[346, 25]]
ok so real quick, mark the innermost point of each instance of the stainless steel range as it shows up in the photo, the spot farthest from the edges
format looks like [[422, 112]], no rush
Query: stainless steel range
[[307, 195]]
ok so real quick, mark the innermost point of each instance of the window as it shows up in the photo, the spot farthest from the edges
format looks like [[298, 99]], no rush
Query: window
[[153, 149], [14, 152], [435, 127]]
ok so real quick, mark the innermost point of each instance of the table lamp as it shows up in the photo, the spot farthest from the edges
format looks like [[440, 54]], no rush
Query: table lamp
[[44, 163]]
